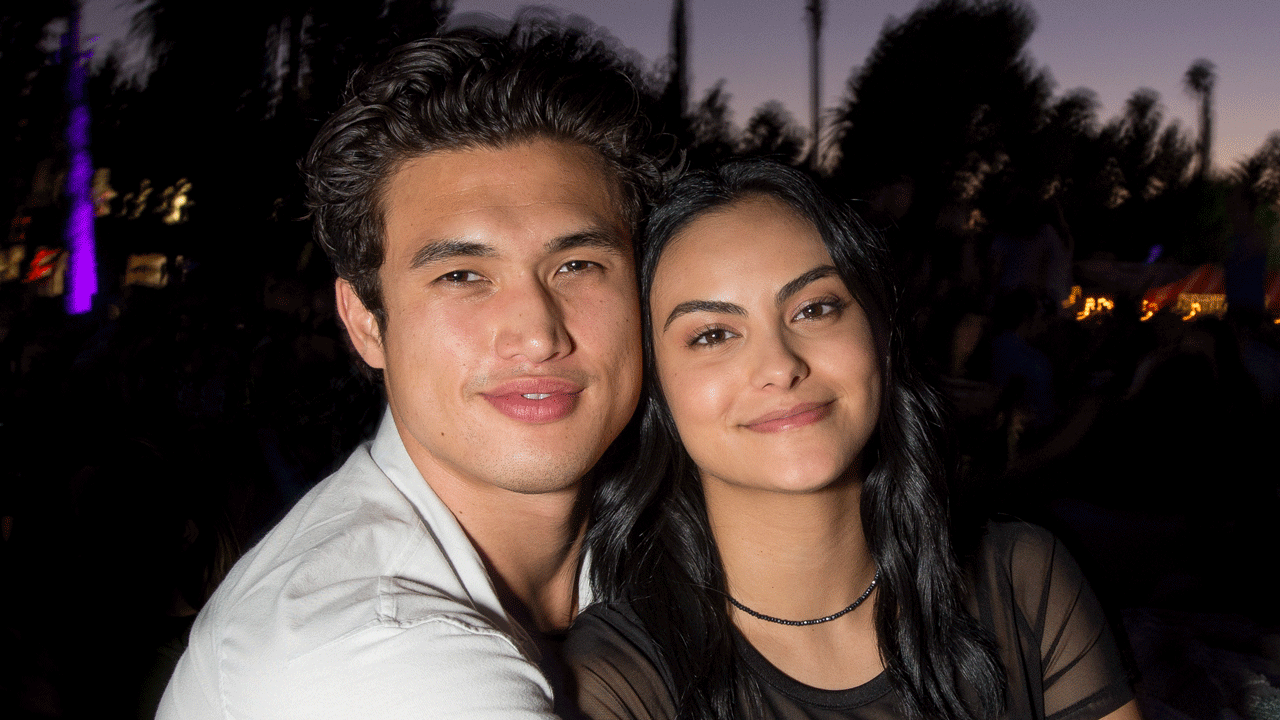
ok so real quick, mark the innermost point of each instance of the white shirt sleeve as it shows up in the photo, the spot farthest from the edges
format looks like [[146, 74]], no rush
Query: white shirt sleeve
[[440, 668], [366, 601]]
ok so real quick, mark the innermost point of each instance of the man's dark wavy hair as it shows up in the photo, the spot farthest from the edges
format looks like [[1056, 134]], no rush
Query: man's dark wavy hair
[[652, 545], [468, 89]]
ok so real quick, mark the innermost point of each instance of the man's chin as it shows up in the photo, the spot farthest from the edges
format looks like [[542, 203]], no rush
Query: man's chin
[[537, 469]]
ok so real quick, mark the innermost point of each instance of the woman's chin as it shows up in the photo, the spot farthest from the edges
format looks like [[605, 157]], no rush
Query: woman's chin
[[798, 482]]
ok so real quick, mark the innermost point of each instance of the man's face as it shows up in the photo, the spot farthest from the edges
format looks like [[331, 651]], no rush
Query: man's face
[[511, 352]]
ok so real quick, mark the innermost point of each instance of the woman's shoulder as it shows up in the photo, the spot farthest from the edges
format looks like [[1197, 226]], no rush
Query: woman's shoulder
[[617, 664], [1024, 564], [604, 625], [1035, 600], [1009, 538], [1024, 571]]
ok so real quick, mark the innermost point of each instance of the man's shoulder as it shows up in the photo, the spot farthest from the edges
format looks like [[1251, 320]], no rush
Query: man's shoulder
[[354, 576], [341, 558]]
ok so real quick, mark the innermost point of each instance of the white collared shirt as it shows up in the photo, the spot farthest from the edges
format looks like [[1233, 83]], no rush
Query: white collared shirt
[[366, 600]]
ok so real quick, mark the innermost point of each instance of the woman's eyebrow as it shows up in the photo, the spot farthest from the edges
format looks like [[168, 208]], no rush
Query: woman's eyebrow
[[796, 285], [713, 306]]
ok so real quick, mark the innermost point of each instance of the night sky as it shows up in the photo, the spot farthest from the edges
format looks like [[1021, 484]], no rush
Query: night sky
[[760, 47]]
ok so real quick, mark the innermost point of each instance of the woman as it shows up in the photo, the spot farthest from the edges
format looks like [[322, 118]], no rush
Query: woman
[[782, 550]]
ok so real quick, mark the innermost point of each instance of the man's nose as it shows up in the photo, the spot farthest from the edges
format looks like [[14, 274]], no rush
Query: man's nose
[[530, 325]]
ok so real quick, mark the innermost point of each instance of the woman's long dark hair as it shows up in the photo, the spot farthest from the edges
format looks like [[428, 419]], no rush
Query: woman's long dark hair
[[652, 545]]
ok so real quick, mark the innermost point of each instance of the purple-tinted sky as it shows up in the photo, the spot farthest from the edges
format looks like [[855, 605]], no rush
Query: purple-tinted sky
[[1111, 46]]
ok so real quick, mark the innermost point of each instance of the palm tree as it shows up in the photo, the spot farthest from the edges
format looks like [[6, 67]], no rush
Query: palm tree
[[1260, 173], [675, 97], [814, 9], [30, 87], [771, 132], [269, 57], [1199, 83], [712, 135], [947, 94]]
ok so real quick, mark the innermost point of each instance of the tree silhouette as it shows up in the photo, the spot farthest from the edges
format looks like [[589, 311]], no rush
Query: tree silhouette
[[208, 62], [675, 95], [946, 95], [772, 132], [344, 35], [208, 92], [31, 84], [1260, 173], [287, 51], [1067, 142], [1130, 191], [1149, 159], [252, 81], [1199, 82], [711, 134], [814, 8]]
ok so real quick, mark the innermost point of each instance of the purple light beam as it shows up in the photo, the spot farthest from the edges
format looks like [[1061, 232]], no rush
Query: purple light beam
[[82, 263]]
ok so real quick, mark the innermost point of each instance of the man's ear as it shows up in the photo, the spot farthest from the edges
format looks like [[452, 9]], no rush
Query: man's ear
[[362, 325]]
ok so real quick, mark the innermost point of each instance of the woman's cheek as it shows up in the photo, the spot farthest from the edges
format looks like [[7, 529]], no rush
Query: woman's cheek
[[699, 399]]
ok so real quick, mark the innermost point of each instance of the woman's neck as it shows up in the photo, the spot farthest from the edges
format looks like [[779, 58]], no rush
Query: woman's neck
[[792, 556], [800, 557]]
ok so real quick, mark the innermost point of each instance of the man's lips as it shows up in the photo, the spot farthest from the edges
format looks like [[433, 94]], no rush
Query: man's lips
[[792, 417], [535, 400]]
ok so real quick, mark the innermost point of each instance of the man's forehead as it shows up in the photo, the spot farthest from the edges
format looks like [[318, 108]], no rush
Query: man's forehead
[[470, 162], [472, 201], [456, 167]]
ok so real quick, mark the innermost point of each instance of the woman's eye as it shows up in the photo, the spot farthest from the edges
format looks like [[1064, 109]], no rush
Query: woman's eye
[[574, 266], [711, 336], [460, 276], [818, 309]]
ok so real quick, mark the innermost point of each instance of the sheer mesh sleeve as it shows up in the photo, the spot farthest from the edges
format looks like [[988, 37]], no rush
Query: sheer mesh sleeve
[[1060, 656], [614, 664]]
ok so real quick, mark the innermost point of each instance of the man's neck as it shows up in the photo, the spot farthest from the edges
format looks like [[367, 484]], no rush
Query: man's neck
[[530, 543], [533, 552]]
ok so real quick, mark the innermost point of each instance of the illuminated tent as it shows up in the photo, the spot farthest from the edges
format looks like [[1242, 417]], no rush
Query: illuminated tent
[[1206, 285]]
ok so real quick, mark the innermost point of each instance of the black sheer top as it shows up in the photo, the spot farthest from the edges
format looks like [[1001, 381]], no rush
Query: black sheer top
[[1059, 655]]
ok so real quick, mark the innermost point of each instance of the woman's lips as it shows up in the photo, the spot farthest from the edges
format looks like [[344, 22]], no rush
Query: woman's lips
[[535, 400], [792, 417]]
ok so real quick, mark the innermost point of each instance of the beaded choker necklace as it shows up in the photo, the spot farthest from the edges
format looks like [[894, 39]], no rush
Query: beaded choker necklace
[[816, 621]]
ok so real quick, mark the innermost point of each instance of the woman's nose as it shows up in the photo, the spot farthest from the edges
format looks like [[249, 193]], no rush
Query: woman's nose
[[777, 363]]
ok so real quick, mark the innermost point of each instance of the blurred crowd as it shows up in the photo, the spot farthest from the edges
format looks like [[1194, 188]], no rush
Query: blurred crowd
[[146, 444]]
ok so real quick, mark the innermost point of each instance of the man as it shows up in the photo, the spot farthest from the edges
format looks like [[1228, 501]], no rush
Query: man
[[477, 197]]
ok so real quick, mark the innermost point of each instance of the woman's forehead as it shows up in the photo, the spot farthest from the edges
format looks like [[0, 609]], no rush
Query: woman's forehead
[[748, 234]]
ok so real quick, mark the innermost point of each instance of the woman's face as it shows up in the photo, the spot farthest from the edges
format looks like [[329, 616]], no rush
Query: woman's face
[[766, 360]]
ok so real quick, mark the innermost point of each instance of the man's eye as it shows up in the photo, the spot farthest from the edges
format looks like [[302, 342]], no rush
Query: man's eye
[[574, 266], [460, 276]]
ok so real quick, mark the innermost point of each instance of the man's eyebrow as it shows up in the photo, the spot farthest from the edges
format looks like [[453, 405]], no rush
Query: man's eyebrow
[[592, 238], [439, 250], [711, 306], [796, 285]]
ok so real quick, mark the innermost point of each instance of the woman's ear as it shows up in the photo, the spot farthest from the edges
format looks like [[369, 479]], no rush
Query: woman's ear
[[362, 325]]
